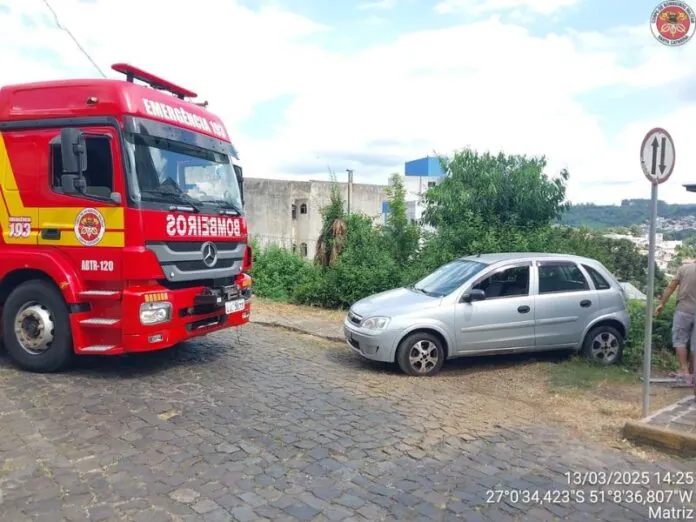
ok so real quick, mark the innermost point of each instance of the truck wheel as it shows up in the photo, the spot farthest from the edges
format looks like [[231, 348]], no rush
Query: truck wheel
[[420, 354], [36, 327]]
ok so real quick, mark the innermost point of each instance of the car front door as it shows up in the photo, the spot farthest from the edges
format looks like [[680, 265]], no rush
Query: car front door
[[505, 318], [565, 303]]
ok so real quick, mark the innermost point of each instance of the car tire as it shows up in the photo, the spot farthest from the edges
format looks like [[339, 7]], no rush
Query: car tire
[[603, 345], [36, 328], [420, 355]]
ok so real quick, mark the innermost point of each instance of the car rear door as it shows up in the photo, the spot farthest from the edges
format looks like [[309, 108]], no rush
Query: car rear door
[[564, 302]]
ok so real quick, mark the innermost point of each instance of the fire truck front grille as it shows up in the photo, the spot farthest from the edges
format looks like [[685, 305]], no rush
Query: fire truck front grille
[[198, 260]]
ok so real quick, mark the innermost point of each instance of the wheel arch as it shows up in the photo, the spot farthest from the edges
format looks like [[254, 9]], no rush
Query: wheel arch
[[432, 330], [52, 268], [16, 277], [614, 323]]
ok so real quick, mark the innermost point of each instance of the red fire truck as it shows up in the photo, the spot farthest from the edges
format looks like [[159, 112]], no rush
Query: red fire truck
[[122, 219]]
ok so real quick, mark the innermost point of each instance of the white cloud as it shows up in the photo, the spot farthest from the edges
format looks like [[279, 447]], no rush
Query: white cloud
[[545, 7], [379, 5], [426, 91]]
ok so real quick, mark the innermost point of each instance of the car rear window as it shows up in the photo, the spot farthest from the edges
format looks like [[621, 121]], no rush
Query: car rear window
[[599, 281]]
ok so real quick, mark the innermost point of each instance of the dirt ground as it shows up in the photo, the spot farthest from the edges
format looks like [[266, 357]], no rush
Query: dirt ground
[[515, 389]]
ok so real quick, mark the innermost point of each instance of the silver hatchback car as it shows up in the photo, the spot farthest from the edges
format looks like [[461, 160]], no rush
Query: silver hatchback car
[[493, 304]]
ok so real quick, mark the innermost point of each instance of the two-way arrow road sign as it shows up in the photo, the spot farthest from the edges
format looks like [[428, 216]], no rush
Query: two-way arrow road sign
[[657, 155]]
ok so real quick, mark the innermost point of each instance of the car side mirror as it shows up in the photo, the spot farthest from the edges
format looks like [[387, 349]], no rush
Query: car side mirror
[[473, 295]]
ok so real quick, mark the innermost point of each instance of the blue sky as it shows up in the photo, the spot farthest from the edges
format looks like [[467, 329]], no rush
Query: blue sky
[[304, 84]]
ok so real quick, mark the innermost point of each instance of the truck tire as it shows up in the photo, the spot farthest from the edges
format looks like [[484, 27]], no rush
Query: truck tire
[[36, 327]]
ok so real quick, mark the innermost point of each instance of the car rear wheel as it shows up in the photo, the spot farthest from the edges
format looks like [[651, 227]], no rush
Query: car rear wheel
[[604, 345], [36, 327], [420, 355]]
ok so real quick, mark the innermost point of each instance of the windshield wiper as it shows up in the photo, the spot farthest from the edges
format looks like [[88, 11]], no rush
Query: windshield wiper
[[225, 206], [188, 204], [424, 291]]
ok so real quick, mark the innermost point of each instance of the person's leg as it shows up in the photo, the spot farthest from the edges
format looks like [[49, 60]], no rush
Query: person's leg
[[682, 324]]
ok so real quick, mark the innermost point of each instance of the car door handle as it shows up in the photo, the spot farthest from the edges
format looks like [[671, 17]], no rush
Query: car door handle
[[523, 309], [585, 303], [50, 233]]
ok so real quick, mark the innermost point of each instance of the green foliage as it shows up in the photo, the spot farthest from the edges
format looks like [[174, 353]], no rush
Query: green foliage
[[277, 272], [504, 190], [662, 353], [401, 237]]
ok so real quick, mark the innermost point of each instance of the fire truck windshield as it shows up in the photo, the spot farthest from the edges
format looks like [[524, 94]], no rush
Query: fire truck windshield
[[174, 172]]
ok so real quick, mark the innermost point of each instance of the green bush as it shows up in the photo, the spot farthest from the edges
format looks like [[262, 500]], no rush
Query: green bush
[[363, 268], [277, 272], [663, 355]]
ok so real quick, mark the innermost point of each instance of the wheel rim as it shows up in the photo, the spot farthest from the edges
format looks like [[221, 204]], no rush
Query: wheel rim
[[34, 328], [605, 347], [423, 356]]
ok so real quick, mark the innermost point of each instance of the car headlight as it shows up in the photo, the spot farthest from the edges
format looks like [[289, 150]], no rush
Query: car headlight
[[375, 323], [155, 313]]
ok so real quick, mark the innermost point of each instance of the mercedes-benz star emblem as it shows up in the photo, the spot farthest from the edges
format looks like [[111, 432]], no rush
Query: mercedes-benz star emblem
[[210, 254]]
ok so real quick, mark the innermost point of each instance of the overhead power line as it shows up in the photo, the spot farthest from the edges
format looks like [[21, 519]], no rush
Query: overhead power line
[[63, 28]]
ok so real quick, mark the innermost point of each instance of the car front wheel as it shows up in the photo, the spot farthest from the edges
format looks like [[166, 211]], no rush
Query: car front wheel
[[603, 345], [420, 355]]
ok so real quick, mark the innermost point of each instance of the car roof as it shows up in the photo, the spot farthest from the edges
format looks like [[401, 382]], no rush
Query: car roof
[[490, 259]]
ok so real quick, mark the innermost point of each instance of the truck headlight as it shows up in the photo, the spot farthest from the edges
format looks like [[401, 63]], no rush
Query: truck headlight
[[375, 323], [155, 313]]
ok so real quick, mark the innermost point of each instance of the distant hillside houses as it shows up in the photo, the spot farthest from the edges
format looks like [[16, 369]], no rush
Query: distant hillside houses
[[665, 251]]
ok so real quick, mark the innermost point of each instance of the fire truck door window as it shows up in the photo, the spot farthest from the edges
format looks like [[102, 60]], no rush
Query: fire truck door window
[[100, 172]]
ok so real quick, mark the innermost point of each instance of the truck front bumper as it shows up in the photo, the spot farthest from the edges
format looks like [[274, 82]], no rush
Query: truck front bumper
[[194, 312]]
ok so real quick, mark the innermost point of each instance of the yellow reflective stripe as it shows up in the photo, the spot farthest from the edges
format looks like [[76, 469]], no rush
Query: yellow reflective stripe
[[62, 218]]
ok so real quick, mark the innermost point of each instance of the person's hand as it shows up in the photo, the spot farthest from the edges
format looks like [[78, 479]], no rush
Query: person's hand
[[659, 309]]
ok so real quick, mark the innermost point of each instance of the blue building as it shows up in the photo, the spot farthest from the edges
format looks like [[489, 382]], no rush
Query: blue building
[[420, 174]]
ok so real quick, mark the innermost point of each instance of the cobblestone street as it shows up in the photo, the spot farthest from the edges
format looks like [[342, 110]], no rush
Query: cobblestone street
[[263, 424]]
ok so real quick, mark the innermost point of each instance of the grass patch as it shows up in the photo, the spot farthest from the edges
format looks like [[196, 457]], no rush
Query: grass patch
[[580, 373]]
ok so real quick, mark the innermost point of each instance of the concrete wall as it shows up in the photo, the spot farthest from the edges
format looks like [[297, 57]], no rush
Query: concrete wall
[[269, 209]]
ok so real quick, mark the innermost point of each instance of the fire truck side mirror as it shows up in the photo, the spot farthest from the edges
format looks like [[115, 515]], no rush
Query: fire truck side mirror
[[73, 151]]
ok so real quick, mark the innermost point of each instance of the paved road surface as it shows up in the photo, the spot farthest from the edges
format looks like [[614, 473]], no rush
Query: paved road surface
[[265, 424]]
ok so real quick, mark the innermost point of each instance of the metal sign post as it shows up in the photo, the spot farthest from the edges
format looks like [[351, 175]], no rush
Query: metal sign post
[[657, 160]]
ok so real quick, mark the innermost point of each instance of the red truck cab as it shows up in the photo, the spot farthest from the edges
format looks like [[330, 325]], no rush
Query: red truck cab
[[122, 219]]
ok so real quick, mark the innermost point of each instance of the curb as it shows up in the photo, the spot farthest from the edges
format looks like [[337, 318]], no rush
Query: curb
[[642, 432], [272, 324]]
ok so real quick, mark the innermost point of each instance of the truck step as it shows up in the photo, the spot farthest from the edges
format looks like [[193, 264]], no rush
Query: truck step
[[100, 321], [98, 348], [100, 294]]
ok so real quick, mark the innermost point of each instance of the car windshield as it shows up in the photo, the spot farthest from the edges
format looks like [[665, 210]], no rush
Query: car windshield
[[170, 171], [448, 278]]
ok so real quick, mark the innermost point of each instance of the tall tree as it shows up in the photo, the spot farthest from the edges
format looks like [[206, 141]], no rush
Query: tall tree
[[332, 239], [401, 235], [511, 191]]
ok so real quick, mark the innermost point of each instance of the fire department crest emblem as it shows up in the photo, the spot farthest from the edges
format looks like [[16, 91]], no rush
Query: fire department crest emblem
[[673, 23], [89, 227]]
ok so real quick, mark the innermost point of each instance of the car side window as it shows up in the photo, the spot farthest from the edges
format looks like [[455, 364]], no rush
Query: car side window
[[561, 276], [100, 170], [599, 282], [509, 282]]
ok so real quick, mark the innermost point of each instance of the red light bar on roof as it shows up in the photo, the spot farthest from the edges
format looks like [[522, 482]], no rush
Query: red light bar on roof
[[133, 73]]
